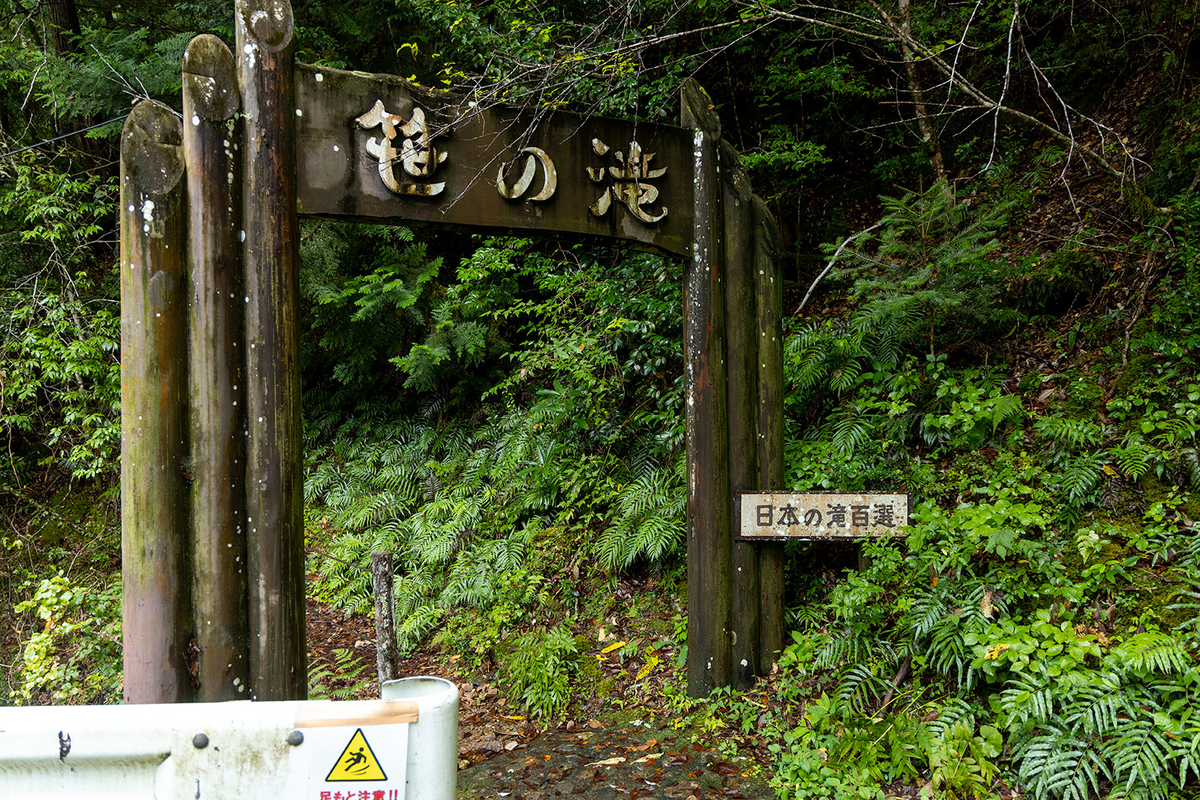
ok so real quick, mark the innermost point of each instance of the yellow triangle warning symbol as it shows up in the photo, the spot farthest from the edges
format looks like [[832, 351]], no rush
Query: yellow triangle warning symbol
[[357, 762]]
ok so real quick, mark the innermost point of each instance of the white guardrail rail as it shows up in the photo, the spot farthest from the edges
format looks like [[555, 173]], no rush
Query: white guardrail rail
[[403, 747]]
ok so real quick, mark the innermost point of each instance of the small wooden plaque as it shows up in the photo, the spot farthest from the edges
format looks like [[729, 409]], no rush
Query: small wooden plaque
[[781, 516]]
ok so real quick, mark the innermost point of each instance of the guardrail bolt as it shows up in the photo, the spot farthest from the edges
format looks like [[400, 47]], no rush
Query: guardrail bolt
[[200, 741], [295, 738]]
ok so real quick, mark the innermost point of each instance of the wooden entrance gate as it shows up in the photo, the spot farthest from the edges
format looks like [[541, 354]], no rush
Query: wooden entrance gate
[[211, 471]]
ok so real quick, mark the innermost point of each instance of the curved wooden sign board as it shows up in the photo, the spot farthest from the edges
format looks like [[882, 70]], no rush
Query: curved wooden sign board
[[212, 512], [372, 147]]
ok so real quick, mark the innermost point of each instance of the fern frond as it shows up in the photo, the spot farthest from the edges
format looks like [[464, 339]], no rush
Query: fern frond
[[954, 711], [1072, 433], [1152, 651], [1081, 475], [861, 685]]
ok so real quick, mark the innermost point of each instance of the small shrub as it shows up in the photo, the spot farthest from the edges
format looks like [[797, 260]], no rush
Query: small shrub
[[537, 670], [76, 657]]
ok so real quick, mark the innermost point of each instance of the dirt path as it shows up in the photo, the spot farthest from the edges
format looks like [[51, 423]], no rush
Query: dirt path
[[503, 755], [619, 762]]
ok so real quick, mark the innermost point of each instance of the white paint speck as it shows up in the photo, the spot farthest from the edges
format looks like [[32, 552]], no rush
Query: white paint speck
[[320, 78], [195, 120]]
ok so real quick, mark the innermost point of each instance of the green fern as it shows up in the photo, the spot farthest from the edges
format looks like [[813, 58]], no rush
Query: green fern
[[862, 685], [1134, 457], [341, 678], [1070, 433], [1124, 730], [1081, 475], [954, 711], [649, 518], [1152, 651], [927, 277]]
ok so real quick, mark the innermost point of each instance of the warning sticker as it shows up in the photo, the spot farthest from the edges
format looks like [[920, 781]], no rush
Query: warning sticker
[[357, 762], [352, 762]]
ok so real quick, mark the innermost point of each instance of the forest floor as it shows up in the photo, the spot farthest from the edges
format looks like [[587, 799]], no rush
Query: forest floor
[[627, 753]]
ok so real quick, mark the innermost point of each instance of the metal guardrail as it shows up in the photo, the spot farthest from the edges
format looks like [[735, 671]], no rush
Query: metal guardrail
[[404, 747]]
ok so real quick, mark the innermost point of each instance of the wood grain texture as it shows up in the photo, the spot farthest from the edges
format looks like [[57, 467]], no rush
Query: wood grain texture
[[742, 392], [156, 609], [768, 279], [708, 554], [274, 469], [382, 582], [216, 400]]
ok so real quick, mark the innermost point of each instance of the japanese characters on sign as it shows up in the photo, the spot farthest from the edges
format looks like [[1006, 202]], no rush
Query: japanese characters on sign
[[408, 158], [628, 182], [417, 155], [374, 147], [549, 177], [821, 516]]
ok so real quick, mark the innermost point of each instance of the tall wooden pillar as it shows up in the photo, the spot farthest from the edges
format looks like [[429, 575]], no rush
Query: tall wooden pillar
[[708, 554], [733, 363], [157, 630], [217, 425], [768, 286], [274, 474], [742, 372]]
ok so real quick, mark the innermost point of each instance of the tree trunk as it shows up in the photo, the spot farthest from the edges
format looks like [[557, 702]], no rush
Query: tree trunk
[[929, 135], [64, 27]]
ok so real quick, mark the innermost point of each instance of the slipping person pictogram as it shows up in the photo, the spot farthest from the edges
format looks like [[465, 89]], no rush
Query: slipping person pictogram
[[357, 762]]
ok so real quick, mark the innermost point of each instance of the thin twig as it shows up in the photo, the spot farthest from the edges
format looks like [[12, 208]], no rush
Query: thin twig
[[832, 261]]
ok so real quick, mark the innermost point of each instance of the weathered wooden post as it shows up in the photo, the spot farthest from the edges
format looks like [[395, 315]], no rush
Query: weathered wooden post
[[732, 292], [768, 289], [274, 468], [708, 556], [218, 541], [382, 587], [157, 631], [742, 375]]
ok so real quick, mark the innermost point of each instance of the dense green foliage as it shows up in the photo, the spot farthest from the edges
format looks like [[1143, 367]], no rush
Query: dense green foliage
[[572, 458], [1011, 342]]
